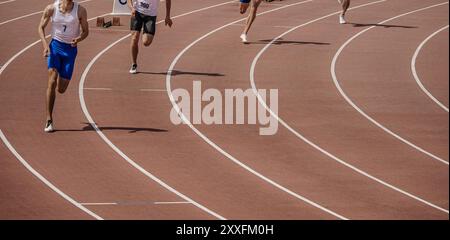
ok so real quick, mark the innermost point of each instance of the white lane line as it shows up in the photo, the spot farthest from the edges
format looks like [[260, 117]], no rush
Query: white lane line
[[18, 18], [98, 204], [11, 148], [261, 100], [18, 54], [44, 180], [215, 146], [7, 2], [98, 89], [153, 90], [32, 45], [416, 76], [130, 203], [239, 24], [284, 27], [110, 89], [162, 203], [31, 14], [276, 26], [114, 147], [341, 91]]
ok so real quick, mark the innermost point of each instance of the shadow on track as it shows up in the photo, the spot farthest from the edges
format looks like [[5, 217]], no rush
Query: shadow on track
[[177, 72], [88, 127], [380, 25], [280, 41]]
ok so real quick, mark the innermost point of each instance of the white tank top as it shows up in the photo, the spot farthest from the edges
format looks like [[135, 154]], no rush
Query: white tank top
[[65, 27], [146, 7]]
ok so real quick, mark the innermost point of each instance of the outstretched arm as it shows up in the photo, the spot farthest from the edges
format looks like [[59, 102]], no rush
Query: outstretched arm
[[48, 12]]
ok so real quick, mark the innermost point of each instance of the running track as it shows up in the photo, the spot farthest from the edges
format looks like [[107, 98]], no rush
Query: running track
[[329, 160]]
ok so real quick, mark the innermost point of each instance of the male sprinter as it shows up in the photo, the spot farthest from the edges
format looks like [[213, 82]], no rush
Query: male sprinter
[[254, 4], [143, 15], [345, 5], [67, 17], [251, 17]]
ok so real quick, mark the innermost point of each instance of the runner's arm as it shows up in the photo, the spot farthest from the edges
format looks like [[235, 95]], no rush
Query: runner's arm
[[48, 12], [84, 26], [130, 5]]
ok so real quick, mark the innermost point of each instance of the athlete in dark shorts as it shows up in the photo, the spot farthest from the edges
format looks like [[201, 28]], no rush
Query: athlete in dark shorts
[[140, 21], [143, 18]]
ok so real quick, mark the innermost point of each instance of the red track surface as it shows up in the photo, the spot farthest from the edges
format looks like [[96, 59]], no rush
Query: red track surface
[[373, 70]]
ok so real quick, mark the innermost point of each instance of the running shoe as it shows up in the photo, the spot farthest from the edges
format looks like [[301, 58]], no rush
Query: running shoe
[[342, 19], [244, 38], [133, 69], [49, 126]]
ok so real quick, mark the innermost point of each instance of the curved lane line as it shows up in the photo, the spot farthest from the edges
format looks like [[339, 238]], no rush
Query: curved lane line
[[114, 147], [2, 69], [215, 146], [32, 45], [416, 76], [31, 14], [13, 150], [341, 91], [8, 1], [252, 80], [44, 180]]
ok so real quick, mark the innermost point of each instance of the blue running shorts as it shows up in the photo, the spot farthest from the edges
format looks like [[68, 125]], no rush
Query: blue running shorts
[[62, 58]]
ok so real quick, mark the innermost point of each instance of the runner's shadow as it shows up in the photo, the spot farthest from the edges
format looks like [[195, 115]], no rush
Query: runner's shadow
[[177, 72], [89, 127], [280, 41], [380, 25]]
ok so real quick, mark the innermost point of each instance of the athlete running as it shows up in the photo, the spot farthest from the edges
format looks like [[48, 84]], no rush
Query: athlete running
[[345, 5], [143, 16], [67, 18], [254, 4]]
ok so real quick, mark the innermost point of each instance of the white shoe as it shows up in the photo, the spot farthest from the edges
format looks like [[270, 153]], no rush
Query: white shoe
[[342, 19], [133, 69], [49, 127], [244, 38]]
